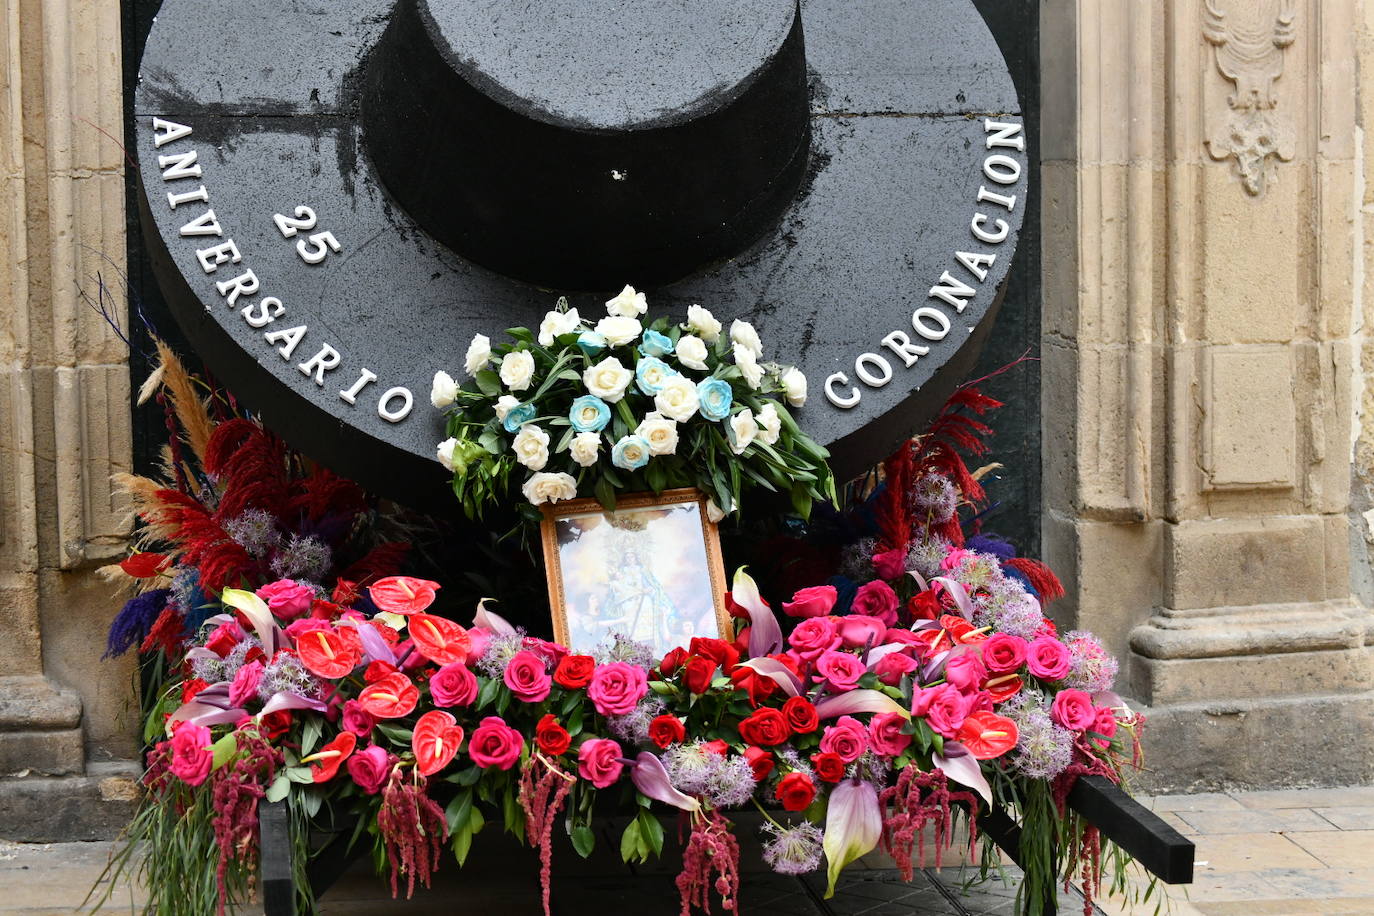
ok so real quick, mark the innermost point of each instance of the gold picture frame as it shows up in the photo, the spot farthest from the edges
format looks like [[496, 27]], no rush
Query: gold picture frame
[[638, 570]]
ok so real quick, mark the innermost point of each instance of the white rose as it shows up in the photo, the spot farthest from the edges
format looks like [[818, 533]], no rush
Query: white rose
[[479, 353], [608, 379], [549, 488], [517, 370], [713, 512], [691, 352], [703, 323], [794, 384], [585, 448], [660, 432], [556, 324], [446, 453], [770, 424], [627, 304], [749, 366], [743, 430], [444, 391], [503, 405], [677, 399], [618, 329], [743, 333], [531, 447]]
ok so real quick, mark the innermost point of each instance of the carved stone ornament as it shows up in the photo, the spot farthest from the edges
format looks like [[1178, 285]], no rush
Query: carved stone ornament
[[1248, 40]]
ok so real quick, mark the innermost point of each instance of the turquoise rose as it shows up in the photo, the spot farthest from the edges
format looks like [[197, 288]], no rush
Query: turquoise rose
[[631, 453], [651, 373], [589, 414], [716, 397], [656, 344], [591, 343], [518, 416]]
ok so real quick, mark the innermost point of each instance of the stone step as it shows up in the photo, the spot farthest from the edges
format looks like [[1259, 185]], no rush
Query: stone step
[[46, 809], [1247, 677]]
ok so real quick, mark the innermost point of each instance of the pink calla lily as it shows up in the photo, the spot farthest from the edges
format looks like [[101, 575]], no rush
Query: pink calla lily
[[765, 636], [777, 672], [374, 647], [287, 700], [965, 771], [959, 594], [206, 714], [858, 701], [853, 823], [650, 778], [491, 620]]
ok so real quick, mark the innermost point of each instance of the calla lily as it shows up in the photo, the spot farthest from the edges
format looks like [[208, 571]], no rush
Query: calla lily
[[965, 771], [258, 614], [877, 652], [921, 582], [206, 714], [959, 594], [374, 647], [285, 699], [765, 636], [650, 778], [853, 823], [491, 620], [857, 701], [776, 671]]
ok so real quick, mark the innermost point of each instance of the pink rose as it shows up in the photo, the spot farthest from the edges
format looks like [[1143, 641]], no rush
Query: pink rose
[[858, 631], [1004, 653], [814, 636], [598, 762], [370, 767], [495, 744], [876, 599], [954, 558], [191, 756], [966, 671], [840, 670], [979, 702], [454, 685], [298, 628], [944, 708], [890, 564], [478, 640], [245, 684], [815, 601], [1105, 726], [1074, 710], [286, 598], [356, 719], [1048, 658], [550, 652], [905, 637], [846, 739], [615, 689], [885, 734], [527, 676], [893, 666]]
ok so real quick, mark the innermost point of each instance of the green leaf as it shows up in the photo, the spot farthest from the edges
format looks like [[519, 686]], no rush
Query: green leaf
[[279, 788], [652, 830], [462, 845], [311, 800], [223, 750], [301, 775], [488, 691], [574, 723], [310, 735], [458, 811], [394, 733], [489, 383], [491, 441], [630, 842], [467, 776], [605, 493], [583, 840]]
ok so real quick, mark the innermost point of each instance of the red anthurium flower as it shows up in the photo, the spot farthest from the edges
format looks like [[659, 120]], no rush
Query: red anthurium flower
[[145, 565], [325, 762], [403, 594], [1003, 687], [439, 639], [435, 741], [328, 653], [987, 735], [377, 670], [390, 697]]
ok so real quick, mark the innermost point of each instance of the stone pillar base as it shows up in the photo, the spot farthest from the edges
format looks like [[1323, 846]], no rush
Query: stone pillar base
[[40, 809], [40, 729]]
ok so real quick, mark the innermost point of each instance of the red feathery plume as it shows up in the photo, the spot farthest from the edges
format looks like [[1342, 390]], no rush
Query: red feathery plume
[[1041, 577], [383, 560], [893, 509], [249, 464]]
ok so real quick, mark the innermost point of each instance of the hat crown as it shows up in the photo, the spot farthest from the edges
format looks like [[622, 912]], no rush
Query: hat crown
[[582, 146]]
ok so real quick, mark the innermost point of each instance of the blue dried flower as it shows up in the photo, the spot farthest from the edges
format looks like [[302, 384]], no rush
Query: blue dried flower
[[131, 625]]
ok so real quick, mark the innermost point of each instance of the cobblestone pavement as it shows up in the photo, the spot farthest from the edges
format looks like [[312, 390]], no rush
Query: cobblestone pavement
[[1286, 853]]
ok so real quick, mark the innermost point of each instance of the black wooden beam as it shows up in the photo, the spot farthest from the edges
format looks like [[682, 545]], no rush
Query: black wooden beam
[[1160, 848], [274, 846]]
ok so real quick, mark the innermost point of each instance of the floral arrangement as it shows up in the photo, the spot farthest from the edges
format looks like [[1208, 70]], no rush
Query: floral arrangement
[[621, 406], [920, 684]]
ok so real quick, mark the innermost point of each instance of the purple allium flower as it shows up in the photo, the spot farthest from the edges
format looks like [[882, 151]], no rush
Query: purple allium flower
[[621, 648], [731, 783], [1092, 667], [499, 652], [255, 530], [794, 849], [935, 496], [131, 625], [1043, 750], [925, 556], [724, 780], [303, 558], [856, 560], [286, 673], [633, 728], [1019, 617]]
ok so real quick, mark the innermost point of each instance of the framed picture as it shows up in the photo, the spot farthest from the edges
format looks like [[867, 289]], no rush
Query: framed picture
[[650, 570]]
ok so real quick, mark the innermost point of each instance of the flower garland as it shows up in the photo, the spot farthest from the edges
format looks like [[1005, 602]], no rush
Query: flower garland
[[620, 406]]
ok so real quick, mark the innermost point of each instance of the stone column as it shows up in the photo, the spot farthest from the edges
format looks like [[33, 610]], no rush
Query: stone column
[[64, 389], [1201, 272], [1201, 265]]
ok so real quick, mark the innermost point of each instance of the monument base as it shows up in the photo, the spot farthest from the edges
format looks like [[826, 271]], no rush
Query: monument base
[[64, 809]]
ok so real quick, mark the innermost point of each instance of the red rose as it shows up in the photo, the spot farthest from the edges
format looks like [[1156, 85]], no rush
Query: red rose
[[796, 792], [553, 739], [224, 638], [829, 766], [377, 670], [751, 682], [718, 650], [893, 666], [574, 671], [325, 610], [672, 661], [801, 715], [190, 688], [765, 727], [666, 730], [924, 605], [717, 747], [761, 761], [698, 674], [273, 725]]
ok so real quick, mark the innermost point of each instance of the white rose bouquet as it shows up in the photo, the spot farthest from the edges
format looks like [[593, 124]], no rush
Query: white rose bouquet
[[618, 405]]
